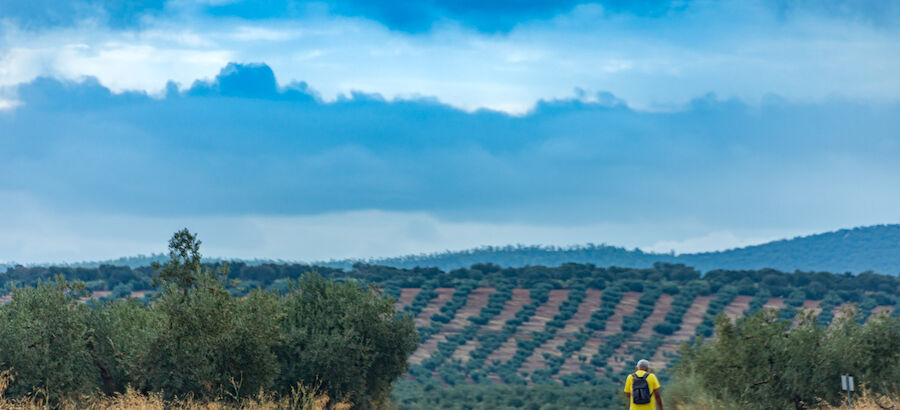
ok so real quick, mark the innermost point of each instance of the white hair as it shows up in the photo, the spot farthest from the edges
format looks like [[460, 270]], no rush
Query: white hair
[[643, 364]]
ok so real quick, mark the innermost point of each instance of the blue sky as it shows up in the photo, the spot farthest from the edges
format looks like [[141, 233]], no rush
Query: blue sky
[[314, 130]]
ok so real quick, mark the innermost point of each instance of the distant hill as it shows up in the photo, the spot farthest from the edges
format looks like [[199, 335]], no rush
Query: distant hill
[[872, 248]]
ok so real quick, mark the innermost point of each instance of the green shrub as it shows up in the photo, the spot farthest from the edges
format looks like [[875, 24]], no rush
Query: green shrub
[[43, 338], [761, 363]]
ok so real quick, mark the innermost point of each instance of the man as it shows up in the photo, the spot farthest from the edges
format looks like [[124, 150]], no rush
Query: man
[[642, 388]]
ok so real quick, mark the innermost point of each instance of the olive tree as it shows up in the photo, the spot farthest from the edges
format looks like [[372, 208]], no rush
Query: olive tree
[[344, 337], [43, 339], [761, 362], [210, 343]]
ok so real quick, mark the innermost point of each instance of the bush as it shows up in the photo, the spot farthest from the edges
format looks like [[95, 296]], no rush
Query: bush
[[666, 328]]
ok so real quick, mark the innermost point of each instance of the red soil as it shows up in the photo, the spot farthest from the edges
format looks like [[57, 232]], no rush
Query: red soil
[[520, 298], [139, 293], [810, 306], [462, 352], [426, 349], [434, 306], [476, 300], [738, 307], [587, 307], [613, 325], [660, 309], [774, 303], [625, 308], [535, 323], [882, 309], [536, 360], [842, 310], [590, 303], [692, 318], [544, 313], [406, 297]]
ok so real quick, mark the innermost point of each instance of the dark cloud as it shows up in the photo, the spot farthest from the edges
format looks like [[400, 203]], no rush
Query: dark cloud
[[37, 14], [878, 12], [239, 144], [484, 15], [417, 16]]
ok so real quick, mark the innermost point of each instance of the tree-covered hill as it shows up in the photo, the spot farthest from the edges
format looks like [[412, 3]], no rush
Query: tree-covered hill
[[873, 248]]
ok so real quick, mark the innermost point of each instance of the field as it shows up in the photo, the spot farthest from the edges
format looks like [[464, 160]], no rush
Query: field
[[568, 336]]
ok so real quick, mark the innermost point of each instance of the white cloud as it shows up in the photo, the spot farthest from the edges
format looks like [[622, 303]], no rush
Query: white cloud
[[7, 104], [732, 49]]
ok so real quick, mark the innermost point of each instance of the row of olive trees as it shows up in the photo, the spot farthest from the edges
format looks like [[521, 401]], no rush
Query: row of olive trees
[[197, 339], [761, 362]]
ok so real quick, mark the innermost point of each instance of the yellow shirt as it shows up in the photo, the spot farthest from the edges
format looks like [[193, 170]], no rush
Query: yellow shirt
[[652, 382]]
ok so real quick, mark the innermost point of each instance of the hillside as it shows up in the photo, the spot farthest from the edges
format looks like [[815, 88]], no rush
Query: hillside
[[592, 327], [873, 248]]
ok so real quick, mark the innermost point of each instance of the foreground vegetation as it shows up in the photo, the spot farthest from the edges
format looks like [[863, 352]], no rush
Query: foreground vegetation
[[198, 340], [760, 362]]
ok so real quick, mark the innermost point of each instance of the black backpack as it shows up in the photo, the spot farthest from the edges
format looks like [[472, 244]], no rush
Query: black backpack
[[640, 389]]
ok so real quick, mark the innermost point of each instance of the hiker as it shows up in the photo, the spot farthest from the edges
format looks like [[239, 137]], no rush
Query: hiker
[[642, 388]]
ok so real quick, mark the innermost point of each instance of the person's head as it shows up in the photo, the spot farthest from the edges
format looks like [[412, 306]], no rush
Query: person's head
[[644, 365]]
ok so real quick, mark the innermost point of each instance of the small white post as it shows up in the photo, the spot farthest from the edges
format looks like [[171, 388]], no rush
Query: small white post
[[850, 392], [847, 385]]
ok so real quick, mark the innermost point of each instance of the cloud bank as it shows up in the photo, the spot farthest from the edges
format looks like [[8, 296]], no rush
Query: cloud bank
[[242, 144], [655, 55]]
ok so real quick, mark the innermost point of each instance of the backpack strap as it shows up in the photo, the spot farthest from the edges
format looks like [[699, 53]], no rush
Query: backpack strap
[[641, 377]]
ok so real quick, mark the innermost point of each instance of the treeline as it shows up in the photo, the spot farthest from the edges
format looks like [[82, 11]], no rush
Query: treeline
[[198, 340], [275, 277]]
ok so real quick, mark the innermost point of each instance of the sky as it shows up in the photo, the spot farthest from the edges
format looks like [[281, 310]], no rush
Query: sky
[[307, 130]]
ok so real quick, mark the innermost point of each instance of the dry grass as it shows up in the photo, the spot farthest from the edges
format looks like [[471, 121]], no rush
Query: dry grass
[[688, 393], [869, 401], [301, 398]]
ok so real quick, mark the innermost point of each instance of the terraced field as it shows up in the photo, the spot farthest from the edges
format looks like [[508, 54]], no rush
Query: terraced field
[[567, 335]]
